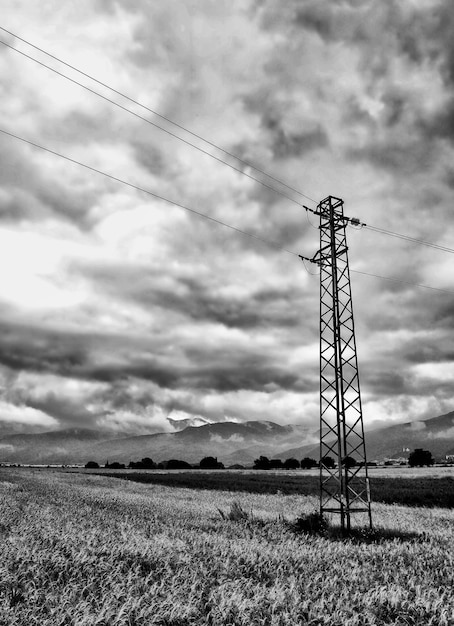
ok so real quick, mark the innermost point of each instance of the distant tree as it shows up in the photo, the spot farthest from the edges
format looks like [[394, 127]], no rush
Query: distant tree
[[92, 465], [276, 464], [291, 463], [327, 461], [145, 463], [420, 457], [262, 463], [308, 463], [115, 465], [211, 462], [349, 461], [177, 464]]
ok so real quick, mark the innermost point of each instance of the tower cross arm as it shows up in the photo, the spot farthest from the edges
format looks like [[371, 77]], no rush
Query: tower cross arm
[[354, 221]]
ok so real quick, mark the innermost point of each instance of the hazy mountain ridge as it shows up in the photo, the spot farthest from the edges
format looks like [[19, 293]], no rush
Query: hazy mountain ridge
[[435, 434], [231, 442], [80, 434], [50, 447], [191, 444]]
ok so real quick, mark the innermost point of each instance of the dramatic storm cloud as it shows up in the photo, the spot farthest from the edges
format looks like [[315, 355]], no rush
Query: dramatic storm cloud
[[122, 311]]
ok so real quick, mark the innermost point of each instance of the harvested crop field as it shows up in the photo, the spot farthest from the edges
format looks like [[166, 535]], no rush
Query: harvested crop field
[[418, 490], [81, 549]]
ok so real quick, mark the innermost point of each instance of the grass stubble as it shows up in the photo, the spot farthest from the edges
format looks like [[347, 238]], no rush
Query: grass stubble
[[86, 550]]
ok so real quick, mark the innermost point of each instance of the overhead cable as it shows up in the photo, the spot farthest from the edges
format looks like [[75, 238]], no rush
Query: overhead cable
[[268, 242], [198, 136], [167, 119], [353, 221], [411, 239], [405, 282], [150, 193]]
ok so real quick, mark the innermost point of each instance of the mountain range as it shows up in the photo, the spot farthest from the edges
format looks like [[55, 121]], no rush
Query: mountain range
[[435, 434], [230, 442]]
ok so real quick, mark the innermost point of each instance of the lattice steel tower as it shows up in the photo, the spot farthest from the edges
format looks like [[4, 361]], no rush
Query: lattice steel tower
[[344, 487]]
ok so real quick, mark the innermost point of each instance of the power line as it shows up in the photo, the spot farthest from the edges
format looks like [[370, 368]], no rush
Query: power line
[[268, 242], [151, 193], [210, 143], [356, 222], [405, 282], [391, 233], [160, 115], [120, 106], [246, 163]]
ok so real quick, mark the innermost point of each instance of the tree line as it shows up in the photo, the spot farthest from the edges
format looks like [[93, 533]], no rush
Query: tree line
[[208, 462], [417, 458]]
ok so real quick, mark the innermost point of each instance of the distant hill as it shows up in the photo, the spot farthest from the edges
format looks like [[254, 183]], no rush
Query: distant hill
[[190, 444], [230, 442], [60, 446], [435, 434]]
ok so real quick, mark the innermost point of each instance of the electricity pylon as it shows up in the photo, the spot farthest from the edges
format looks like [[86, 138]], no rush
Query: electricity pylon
[[344, 483]]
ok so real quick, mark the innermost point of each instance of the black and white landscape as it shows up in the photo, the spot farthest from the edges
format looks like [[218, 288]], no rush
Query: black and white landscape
[[163, 167], [232, 443], [121, 311]]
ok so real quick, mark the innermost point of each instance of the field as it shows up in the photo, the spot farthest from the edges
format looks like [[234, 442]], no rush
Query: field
[[83, 549], [411, 489]]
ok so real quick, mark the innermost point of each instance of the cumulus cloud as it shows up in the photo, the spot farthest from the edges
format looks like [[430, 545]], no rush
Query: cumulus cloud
[[442, 434], [417, 426], [122, 311], [238, 439]]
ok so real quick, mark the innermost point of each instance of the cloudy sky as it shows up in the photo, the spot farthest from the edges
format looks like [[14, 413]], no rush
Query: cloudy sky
[[121, 311]]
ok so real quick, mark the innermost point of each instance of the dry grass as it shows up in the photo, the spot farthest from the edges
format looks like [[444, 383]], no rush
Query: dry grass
[[90, 550]]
